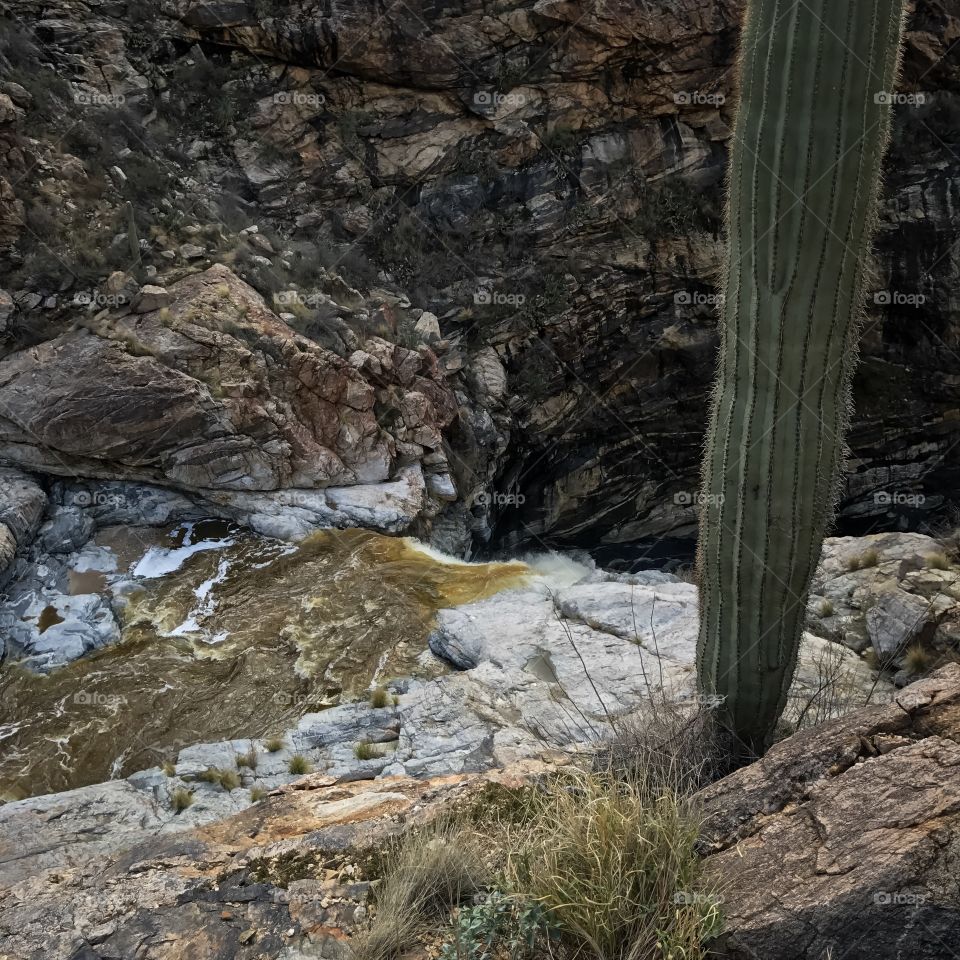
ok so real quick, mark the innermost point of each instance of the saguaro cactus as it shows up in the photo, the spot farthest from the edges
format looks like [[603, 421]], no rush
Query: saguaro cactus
[[133, 238], [811, 130]]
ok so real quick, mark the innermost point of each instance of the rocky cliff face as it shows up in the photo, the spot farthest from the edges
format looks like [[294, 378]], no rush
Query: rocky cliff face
[[533, 187]]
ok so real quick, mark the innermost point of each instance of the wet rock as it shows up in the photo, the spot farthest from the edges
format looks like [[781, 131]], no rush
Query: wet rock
[[66, 530], [54, 630]]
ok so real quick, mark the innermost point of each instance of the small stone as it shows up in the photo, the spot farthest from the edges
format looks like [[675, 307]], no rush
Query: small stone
[[152, 298], [428, 326], [191, 251]]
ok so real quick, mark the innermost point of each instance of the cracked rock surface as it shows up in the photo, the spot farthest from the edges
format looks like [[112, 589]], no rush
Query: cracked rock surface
[[846, 838]]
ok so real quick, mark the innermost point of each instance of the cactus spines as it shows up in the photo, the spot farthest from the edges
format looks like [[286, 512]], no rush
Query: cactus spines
[[811, 130]]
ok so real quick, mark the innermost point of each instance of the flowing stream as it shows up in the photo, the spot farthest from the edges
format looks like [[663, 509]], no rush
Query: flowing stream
[[226, 635]]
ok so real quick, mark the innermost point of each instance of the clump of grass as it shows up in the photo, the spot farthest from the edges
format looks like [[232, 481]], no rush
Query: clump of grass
[[168, 768], [181, 799], [365, 750], [613, 865], [228, 779], [428, 873], [250, 759], [273, 744], [872, 659], [917, 659], [937, 561], [396, 700], [869, 558], [379, 698], [257, 793], [825, 609], [298, 764]]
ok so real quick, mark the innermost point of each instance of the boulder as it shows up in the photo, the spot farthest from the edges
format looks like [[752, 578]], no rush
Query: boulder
[[843, 841], [894, 620]]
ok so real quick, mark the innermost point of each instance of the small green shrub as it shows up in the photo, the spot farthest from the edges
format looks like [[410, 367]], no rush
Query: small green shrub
[[257, 793], [498, 925], [298, 764], [181, 799], [250, 759], [937, 561], [825, 609], [273, 744], [169, 768], [379, 698]]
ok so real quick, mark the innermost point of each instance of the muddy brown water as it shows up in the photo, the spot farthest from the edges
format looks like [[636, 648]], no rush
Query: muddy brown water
[[239, 641]]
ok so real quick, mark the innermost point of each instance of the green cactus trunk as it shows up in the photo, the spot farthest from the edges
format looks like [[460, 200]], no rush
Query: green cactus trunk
[[133, 238], [810, 135]]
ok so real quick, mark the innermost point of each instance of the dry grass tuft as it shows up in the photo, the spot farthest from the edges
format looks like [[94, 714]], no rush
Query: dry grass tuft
[[666, 746], [869, 558], [364, 750], [613, 864], [430, 872], [298, 764], [917, 659]]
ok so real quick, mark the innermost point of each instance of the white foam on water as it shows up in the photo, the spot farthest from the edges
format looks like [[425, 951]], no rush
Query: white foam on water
[[159, 561], [437, 555], [206, 604], [556, 570]]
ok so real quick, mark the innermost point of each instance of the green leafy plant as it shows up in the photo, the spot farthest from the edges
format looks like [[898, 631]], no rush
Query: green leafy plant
[[496, 926], [811, 131]]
